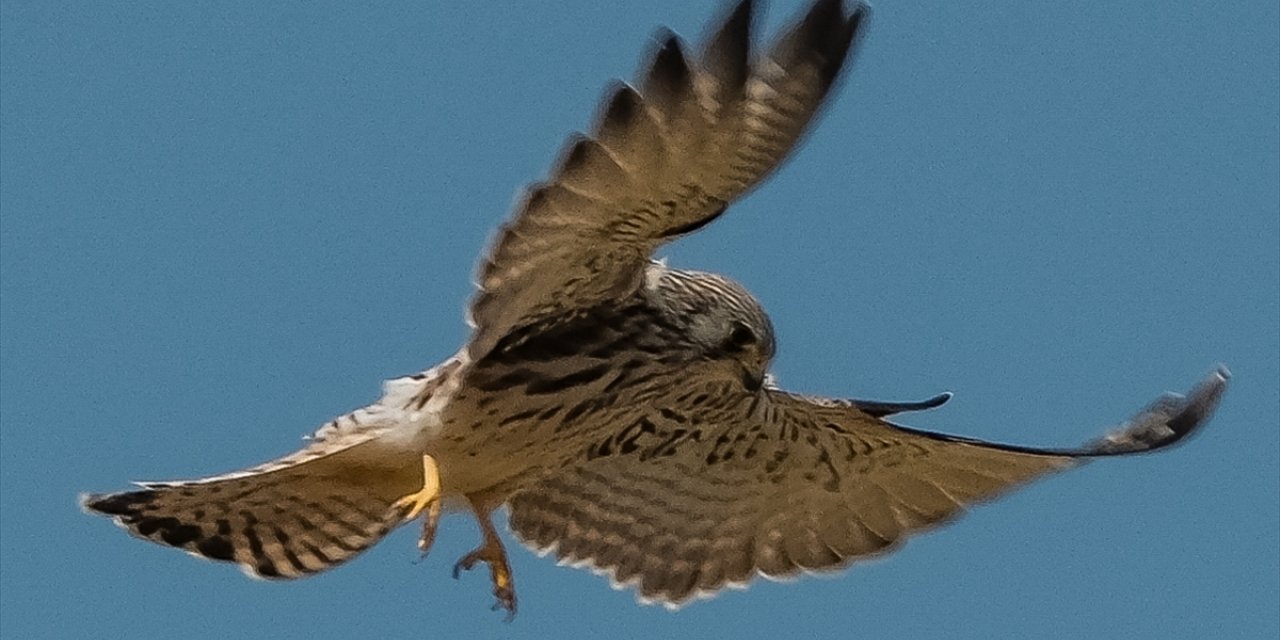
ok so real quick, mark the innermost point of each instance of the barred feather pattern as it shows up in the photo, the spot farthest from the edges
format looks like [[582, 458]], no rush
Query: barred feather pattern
[[719, 488], [286, 523], [664, 160], [306, 511], [623, 409]]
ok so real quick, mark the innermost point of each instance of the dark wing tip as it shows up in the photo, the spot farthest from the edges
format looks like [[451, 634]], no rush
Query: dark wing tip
[[856, 25], [621, 108], [116, 504], [728, 54], [880, 409], [841, 42], [826, 27], [823, 38], [669, 76], [1201, 403], [736, 23], [573, 156], [89, 502], [1168, 420]]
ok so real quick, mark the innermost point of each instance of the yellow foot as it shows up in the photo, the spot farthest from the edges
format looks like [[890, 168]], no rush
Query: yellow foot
[[499, 571], [493, 554], [426, 499]]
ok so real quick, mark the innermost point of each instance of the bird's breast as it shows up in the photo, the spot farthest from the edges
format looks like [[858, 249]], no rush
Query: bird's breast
[[507, 423]]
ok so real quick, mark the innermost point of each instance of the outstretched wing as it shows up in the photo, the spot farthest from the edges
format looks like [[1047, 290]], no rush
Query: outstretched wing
[[676, 509], [661, 163], [287, 522], [302, 513]]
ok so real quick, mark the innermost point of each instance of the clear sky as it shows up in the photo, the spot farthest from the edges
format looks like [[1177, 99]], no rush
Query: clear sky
[[224, 223]]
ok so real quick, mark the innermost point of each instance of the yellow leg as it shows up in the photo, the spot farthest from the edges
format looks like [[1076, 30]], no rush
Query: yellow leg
[[426, 499], [492, 553]]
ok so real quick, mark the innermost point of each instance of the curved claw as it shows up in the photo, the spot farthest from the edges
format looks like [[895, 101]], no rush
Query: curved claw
[[466, 563], [424, 502], [503, 590], [491, 553], [506, 599]]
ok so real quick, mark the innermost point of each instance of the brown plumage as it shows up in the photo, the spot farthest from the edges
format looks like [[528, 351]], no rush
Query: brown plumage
[[623, 409]]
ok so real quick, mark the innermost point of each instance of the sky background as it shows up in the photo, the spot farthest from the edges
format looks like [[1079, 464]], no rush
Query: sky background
[[224, 223]]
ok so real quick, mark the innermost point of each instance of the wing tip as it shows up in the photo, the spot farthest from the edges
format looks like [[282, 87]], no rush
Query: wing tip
[[87, 501], [727, 51], [1171, 419], [620, 109], [1201, 402], [669, 75], [114, 504], [882, 409]]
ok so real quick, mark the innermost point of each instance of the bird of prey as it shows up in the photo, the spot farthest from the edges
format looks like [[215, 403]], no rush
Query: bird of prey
[[622, 409]]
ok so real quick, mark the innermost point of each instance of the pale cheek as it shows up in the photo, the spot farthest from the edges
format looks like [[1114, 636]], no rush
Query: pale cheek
[[706, 333]]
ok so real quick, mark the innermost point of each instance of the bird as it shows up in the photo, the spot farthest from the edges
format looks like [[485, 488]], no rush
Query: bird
[[622, 410]]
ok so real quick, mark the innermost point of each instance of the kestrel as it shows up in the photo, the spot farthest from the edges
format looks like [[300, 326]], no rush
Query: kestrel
[[622, 409]]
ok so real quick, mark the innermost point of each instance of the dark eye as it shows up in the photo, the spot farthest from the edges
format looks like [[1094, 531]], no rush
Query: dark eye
[[740, 337]]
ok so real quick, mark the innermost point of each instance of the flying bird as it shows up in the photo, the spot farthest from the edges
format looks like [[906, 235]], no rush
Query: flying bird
[[622, 409]]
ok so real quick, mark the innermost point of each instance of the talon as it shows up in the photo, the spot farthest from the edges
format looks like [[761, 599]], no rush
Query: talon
[[429, 523], [492, 554], [426, 499], [506, 600], [467, 563]]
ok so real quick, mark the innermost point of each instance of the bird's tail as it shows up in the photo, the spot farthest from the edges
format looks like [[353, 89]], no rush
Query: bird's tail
[[281, 523]]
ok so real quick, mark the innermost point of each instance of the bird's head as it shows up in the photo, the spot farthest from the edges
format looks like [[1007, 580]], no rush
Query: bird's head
[[724, 322]]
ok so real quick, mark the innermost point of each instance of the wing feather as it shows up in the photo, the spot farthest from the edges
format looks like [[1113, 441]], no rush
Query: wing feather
[[791, 484], [662, 162]]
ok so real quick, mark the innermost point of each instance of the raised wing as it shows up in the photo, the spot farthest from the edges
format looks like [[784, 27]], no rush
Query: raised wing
[[662, 162], [677, 509]]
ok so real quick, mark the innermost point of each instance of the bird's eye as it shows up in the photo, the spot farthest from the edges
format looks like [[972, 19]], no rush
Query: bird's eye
[[740, 337]]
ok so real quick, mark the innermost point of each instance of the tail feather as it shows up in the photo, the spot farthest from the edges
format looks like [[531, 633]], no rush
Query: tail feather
[[282, 524]]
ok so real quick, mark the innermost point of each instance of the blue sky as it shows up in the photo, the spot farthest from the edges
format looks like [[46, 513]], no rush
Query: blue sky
[[224, 223]]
